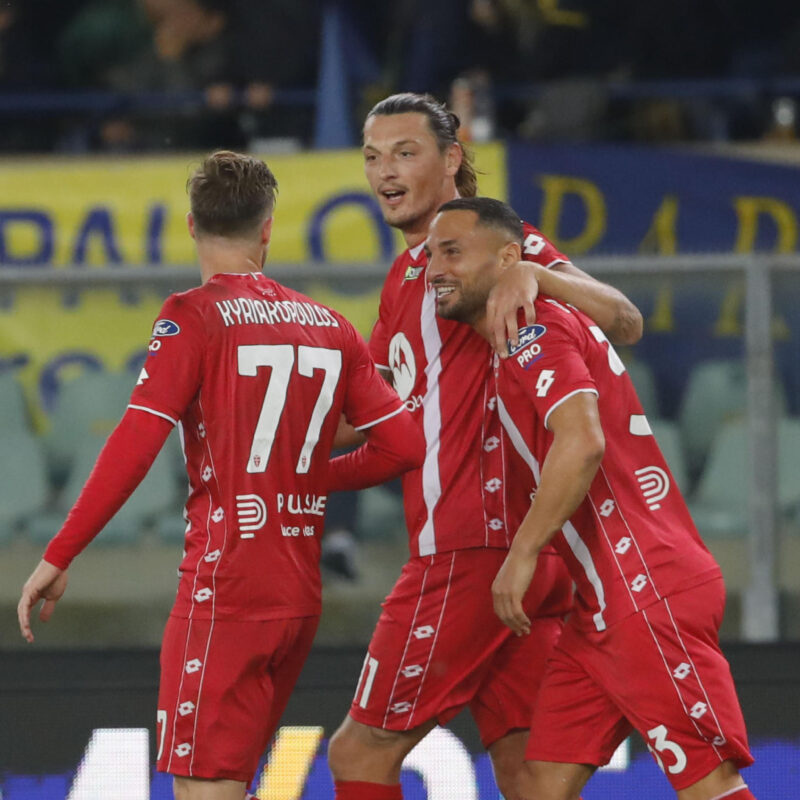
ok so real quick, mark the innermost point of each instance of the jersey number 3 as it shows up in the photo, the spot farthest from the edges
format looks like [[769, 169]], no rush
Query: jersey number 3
[[281, 359]]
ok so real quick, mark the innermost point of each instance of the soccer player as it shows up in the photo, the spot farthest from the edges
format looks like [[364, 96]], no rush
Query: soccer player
[[255, 377], [641, 648], [437, 646]]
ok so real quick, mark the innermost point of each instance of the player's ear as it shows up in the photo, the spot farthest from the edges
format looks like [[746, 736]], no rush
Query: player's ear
[[266, 231], [190, 225], [510, 254], [452, 158]]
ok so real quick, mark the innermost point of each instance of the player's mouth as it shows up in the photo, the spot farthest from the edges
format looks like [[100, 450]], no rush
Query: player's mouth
[[392, 197], [442, 293]]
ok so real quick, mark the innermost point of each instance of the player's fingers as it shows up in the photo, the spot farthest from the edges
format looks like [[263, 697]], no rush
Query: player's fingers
[[511, 332], [530, 312], [47, 609], [24, 616]]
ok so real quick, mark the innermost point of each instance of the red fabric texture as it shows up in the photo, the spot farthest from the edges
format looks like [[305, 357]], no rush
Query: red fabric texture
[[122, 464], [393, 446], [362, 790]]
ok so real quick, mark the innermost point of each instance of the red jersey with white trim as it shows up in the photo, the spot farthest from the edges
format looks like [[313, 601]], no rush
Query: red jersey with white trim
[[632, 540], [440, 369], [256, 376]]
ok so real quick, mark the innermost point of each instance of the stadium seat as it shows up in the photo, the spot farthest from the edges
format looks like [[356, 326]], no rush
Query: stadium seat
[[13, 413], [720, 504], [668, 437], [89, 406], [716, 392], [153, 495], [645, 384], [23, 485]]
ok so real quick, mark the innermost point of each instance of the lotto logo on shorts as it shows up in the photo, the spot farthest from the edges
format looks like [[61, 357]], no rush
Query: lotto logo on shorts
[[207, 473], [193, 665], [492, 443], [423, 632], [203, 595], [401, 708], [492, 403], [183, 749], [184, 709], [218, 515], [639, 582], [698, 709], [493, 484], [623, 545], [496, 524], [412, 671], [681, 671], [212, 556]]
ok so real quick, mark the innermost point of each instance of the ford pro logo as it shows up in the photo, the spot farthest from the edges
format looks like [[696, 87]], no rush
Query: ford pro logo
[[166, 327], [527, 335]]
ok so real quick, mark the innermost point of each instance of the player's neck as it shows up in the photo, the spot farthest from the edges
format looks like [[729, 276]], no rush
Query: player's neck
[[481, 326], [227, 257], [416, 235]]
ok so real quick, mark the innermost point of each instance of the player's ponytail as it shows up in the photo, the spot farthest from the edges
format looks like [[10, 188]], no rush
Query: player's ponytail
[[444, 125]]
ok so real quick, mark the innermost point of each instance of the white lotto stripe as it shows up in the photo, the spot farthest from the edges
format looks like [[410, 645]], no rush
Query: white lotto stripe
[[694, 669], [632, 538], [639, 426], [361, 678], [213, 575], [435, 638], [576, 544], [674, 684], [408, 642], [381, 419], [581, 552], [517, 439], [555, 405], [431, 422], [178, 696], [154, 412]]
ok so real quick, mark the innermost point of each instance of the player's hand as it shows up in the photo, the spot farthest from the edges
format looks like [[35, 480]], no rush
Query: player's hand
[[509, 588], [45, 583], [515, 289]]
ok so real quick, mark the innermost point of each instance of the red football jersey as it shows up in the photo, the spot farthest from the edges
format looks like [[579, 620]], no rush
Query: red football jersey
[[440, 369], [256, 376], [631, 541]]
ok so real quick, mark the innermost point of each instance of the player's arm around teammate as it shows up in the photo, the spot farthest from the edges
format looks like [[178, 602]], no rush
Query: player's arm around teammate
[[519, 285]]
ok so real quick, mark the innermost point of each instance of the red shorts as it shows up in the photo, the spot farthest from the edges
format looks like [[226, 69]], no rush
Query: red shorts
[[438, 645], [224, 686], [660, 671]]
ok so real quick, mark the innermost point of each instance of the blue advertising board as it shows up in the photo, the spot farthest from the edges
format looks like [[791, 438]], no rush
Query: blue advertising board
[[615, 199]]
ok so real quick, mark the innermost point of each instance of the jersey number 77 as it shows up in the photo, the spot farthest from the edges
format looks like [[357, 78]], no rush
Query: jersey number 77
[[281, 358]]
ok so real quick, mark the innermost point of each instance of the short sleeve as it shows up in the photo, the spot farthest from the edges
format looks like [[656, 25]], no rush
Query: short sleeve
[[369, 399], [549, 362], [171, 376], [536, 247]]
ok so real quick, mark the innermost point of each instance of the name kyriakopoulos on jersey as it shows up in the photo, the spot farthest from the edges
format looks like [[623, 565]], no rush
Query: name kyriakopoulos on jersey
[[244, 311]]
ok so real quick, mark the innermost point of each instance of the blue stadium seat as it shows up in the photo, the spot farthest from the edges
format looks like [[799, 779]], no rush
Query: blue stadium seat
[[716, 392], [23, 482], [88, 407]]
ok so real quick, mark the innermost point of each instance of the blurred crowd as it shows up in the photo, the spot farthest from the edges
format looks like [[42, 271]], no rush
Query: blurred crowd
[[208, 72]]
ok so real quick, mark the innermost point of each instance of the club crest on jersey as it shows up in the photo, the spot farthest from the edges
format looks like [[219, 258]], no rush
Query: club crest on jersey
[[166, 327], [412, 272]]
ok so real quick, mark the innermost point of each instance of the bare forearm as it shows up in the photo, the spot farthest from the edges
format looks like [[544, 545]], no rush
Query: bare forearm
[[618, 318], [567, 474]]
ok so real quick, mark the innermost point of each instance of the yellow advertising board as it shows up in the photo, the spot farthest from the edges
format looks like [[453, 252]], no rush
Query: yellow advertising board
[[132, 210], [108, 213]]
